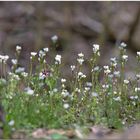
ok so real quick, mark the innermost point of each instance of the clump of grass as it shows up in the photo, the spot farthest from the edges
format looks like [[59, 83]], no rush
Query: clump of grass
[[41, 98]]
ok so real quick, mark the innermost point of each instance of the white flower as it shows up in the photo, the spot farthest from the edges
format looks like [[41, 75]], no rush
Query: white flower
[[125, 57], [95, 69], [123, 44], [113, 59], [107, 71], [11, 123], [46, 49], [134, 97], [94, 94], [81, 75], [137, 89], [89, 84], [117, 73], [72, 67], [80, 61], [29, 91], [14, 61], [19, 70], [54, 38], [18, 48], [65, 93], [33, 54], [117, 98], [138, 53], [42, 76], [96, 48], [63, 80], [4, 58], [41, 54], [81, 55], [126, 81], [78, 90], [105, 86], [58, 59], [138, 76], [87, 88], [106, 67], [24, 74], [66, 105], [14, 76]]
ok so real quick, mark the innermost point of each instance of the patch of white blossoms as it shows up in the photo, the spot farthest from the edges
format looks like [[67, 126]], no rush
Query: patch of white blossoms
[[96, 49], [125, 57], [20, 70], [80, 58], [18, 49], [4, 58], [54, 38], [29, 91], [107, 70], [126, 81], [58, 59]]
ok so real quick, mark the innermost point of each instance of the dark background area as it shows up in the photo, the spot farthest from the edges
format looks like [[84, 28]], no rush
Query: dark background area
[[77, 24]]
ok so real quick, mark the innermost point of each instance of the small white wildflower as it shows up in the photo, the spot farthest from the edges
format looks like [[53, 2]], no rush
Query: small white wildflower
[[54, 38], [87, 88], [24, 74], [55, 90], [19, 70], [123, 44], [105, 86], [95, 68], [126, 81], [113, 59], [66, 105], [81, 55], [107, 71], [46, 49], [6, 57], [42, 76], [80, 61], [14, 76], [29, 91], [138, 53], [94, 94], [78, 90], [138, 76], [11, 123], [96, 48], [134, 97], [81, 75], [58, 59], [125, 57], [33, 54], [14, 61], [65, 93], [18, 48], [41, 54], [110, 75], [117, 98], [137, 89], [106, 67], [117, 73], [89, 84], [63, 80], [72, 67]]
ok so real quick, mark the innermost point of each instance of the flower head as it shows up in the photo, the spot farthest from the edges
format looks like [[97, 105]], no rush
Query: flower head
[[58, 59]]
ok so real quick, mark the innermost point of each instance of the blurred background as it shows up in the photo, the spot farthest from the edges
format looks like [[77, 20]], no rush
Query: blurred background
[[78, 26]]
